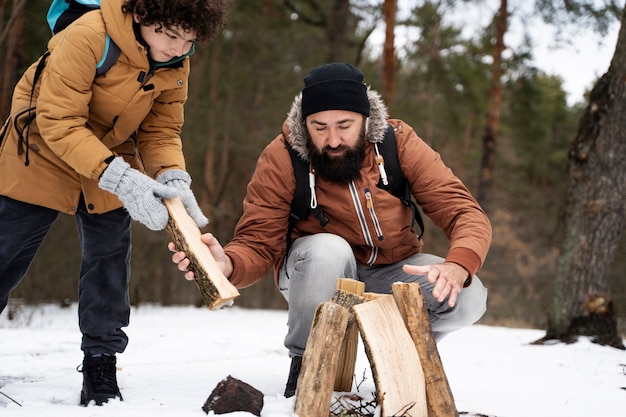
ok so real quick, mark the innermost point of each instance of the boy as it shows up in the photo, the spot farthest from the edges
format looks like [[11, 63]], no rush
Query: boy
[[105, 149]]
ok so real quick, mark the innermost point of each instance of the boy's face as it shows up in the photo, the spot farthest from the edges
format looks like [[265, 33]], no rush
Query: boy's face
[[167, 43]]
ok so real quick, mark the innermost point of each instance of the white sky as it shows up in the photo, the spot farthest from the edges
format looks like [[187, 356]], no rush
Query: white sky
[[579, 64]]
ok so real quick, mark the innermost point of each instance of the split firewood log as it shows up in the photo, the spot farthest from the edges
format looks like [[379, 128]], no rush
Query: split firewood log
[[412, 307], [319, 362], [348, 294], [215, 289], [396, 367]]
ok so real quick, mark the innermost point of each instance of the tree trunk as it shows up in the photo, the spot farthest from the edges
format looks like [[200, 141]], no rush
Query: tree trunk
[[390, 8], [337, 30], [492, 125], [11, 35], [595, 211]]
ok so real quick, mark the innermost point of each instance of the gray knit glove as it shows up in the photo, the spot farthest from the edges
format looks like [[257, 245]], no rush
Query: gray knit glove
[[180, 180], [141, 195]]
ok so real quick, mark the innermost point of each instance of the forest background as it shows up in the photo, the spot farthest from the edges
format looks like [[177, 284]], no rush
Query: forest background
[[243, 83]]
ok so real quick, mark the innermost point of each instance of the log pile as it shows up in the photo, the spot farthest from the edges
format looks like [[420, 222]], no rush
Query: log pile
[[397, 336]]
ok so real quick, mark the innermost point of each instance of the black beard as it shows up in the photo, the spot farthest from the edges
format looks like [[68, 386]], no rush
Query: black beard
[[339, 170]]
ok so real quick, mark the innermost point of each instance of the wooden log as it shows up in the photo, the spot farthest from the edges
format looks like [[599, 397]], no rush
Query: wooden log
[[398, 375], [319, 362], [232, 395], [411, 304], [349, 293], [215, 289], [369, 296]]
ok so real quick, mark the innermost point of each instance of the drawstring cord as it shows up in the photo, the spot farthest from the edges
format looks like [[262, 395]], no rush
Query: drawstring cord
[[23, 139], [380, 161], [313, 202], [315, 209]]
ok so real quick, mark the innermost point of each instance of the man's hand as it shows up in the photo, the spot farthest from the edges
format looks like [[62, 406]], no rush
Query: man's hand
[[221, 259], [448, 278]]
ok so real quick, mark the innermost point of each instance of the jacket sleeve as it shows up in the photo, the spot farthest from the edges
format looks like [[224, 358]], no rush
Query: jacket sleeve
[[260, 235], [63, 102], [445, 200]]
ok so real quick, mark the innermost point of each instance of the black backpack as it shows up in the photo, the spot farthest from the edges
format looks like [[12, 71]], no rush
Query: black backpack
[[396, 185]]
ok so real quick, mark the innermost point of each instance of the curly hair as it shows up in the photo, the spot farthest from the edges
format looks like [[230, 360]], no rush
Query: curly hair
[[205, 17]]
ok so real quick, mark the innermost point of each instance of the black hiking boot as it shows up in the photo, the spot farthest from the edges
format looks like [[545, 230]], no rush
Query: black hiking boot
[[292, 380], [99, 380]]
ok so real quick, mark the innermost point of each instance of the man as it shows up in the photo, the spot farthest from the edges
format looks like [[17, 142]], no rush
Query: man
[[104, 149], [335, 124]]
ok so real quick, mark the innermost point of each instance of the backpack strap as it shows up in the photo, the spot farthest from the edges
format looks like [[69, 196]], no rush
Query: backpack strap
[[23, 137], [396, 181], [110, 56], [300, 204]]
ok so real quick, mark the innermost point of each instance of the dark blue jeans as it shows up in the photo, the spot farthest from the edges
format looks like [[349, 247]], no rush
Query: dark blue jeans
[[105, 240]]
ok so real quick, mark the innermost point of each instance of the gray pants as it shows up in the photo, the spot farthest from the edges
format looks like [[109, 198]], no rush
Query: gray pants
[[309, 277]]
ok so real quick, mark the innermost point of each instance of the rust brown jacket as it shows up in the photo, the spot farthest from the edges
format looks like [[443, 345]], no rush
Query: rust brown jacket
[[374, 222], [81, 120]]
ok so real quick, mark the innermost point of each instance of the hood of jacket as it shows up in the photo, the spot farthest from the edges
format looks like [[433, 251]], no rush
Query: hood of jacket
[[374, 128], [118, 26]]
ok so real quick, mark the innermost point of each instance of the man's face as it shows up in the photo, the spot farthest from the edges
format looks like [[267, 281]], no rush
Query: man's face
[[336, 144]]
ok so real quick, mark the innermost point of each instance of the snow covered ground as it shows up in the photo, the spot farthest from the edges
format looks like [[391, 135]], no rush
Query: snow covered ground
[[177, 355]]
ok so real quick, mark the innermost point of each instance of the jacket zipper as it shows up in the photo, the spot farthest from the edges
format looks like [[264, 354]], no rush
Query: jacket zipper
[[370, 207], [364, 229]]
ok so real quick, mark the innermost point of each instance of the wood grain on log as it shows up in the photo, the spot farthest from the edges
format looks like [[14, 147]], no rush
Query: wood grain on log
[[349, 293], [411, 304], [215, 289], [319, 362], [396, 367]]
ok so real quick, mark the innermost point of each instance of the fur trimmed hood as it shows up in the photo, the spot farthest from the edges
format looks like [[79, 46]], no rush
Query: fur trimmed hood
[[374, 131]]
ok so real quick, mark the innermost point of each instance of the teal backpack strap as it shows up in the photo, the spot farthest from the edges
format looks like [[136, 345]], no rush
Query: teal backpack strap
[[110, 56]]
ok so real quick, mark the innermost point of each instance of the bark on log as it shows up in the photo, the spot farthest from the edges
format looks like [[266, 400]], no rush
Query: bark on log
[[215, 289], [319, 362], [396, 368], [232, 395], [349, 293], [410, 302]]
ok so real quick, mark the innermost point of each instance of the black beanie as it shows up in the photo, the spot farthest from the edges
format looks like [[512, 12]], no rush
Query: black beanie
[[334, 87]]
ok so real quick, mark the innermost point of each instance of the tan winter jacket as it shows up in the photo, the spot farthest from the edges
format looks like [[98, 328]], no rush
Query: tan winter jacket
[[81, 120], [387, 236]]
